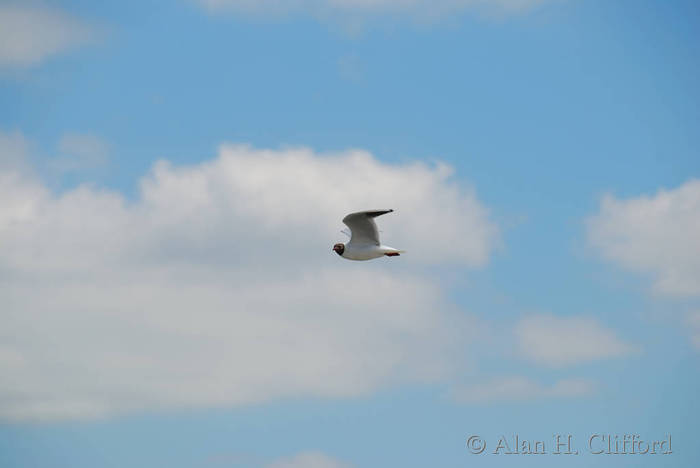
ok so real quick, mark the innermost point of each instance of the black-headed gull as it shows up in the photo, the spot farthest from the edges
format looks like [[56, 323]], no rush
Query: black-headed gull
[[364, 239]]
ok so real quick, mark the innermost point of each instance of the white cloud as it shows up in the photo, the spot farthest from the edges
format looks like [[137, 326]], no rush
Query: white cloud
[[517, 388], [422, 8], [561, 341], [31, 33], [308, 460], [18, 193], [657, 234], [218, 286], [80, 152]]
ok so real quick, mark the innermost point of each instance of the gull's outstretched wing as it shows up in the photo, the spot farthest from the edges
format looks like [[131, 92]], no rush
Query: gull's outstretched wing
[[363, 227]]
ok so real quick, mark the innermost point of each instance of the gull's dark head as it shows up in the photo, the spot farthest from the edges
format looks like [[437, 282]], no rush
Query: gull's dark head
[[339, 248]]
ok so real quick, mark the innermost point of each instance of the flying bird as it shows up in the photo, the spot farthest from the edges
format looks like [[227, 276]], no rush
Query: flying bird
[[364, 238]]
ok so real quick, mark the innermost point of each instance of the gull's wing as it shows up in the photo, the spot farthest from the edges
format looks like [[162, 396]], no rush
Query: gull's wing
[[363, 227]]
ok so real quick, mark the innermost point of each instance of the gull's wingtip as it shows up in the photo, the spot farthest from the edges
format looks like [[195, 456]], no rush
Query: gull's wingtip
[[375, 213]]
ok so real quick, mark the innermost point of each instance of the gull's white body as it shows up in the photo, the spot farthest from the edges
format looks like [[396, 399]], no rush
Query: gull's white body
[[364, 239], [367, 252]]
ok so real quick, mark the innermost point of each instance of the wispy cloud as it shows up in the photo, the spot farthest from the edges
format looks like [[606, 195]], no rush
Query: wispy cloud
[[80, 152], [31, 33], [561, 341], [14, 151], [659, 235], [351, 68], [423, 9], [217, 286], [693, 321], [518, 388], [308, 460]]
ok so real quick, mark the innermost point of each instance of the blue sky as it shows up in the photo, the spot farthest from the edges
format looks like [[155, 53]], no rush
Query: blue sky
[[556, 279]]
